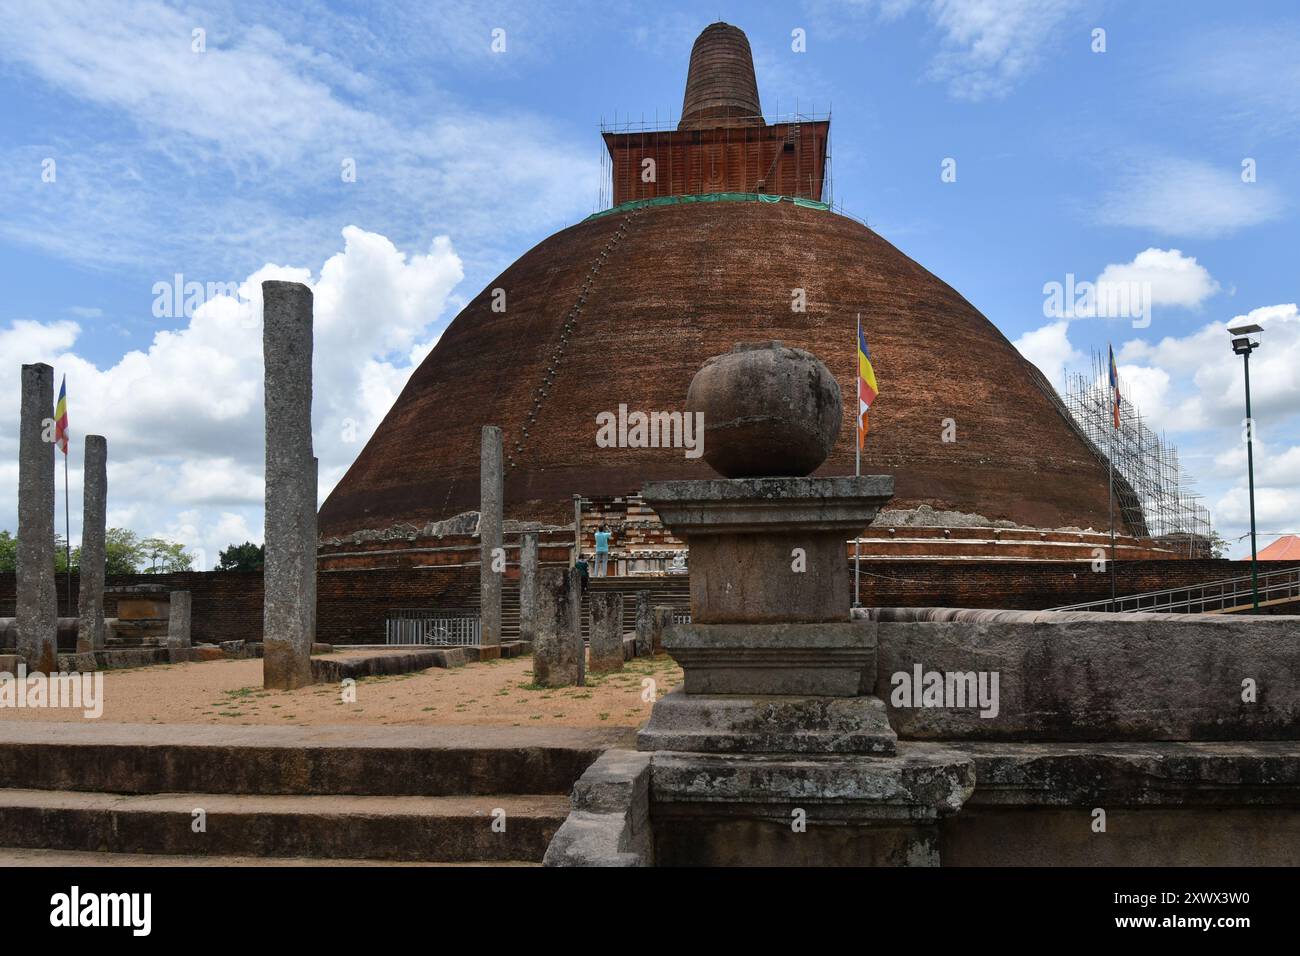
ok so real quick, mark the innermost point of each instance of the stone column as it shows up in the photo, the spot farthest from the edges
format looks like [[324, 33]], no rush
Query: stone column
[[37, 613], [287, 354], [491, 485], [311, 545], [90, 602], [555, 655], [178, 626], [575, 618], [663, 618], [606, 632], [527, 585], [645, 622]]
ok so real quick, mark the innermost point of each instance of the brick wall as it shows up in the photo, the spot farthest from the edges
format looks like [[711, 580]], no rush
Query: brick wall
[[227, 605], [352, 603]]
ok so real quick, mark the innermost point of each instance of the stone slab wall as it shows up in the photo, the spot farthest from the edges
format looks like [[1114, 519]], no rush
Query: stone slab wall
[[1114, 677]]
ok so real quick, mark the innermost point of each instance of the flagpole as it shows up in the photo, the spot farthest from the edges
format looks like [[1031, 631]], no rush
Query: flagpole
[[67, 530], [857, 468]]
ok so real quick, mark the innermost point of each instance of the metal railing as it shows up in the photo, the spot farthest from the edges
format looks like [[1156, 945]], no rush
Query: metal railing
[[1229, 594], [438, 628]]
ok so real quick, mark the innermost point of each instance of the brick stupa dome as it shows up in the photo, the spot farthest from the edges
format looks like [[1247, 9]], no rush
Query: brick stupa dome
[[624, 307], [686, 282]]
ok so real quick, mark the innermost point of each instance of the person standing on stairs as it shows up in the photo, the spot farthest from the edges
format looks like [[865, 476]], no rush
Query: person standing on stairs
[[602, 550]]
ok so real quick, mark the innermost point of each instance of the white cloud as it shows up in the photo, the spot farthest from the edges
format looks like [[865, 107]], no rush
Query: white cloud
[[1174, 279], [987, 46], [184, 418], [990, 45], [1049, 348], [1181, 197], [1192, 387], [1214, 394], [236, 143]]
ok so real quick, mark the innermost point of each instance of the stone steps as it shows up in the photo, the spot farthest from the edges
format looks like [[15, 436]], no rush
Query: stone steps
[[358, 760], [412, 794], [438, 829], [11, 857]]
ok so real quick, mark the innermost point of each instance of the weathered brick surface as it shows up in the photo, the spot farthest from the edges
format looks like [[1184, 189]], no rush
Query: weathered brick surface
[[685, 283]]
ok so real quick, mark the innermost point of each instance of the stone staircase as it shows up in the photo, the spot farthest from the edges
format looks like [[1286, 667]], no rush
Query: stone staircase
[[362, 793], [674, 592]]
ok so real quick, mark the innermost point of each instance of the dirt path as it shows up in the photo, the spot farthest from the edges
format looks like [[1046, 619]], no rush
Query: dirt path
[[493, 692]]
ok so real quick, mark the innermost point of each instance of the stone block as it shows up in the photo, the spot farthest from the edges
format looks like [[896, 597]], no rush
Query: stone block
[[1107, 677], [645, 625], [178, 625], [606, 633], [661, 621], [836, 660], [704, 723], [556, 648]]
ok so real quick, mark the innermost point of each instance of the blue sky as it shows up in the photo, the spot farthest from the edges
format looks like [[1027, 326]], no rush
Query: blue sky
[[224, 165]]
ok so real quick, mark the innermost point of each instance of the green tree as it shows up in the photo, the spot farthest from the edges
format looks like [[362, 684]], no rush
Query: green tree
[[160, 556], [1218, 545], [122, 553], [242, 557], [61, 556], [8, 552]]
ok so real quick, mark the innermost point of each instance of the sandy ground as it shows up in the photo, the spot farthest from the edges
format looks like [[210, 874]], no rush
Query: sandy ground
[[493, 692]]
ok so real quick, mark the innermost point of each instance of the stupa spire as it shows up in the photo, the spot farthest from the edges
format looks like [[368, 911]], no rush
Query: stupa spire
[[720, 86]]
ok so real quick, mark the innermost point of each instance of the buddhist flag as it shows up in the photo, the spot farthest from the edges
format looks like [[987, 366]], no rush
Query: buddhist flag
[[867, 388], [61, 417], [1114, 387]]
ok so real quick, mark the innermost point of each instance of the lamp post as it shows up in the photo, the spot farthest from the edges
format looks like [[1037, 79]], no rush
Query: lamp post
[[1245, 339]]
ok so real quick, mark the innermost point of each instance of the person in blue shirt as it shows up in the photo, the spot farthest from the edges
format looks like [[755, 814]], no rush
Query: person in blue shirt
[[602, 550]]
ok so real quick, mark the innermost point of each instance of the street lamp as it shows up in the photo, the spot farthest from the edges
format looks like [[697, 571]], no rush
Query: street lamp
[[1245, 339]]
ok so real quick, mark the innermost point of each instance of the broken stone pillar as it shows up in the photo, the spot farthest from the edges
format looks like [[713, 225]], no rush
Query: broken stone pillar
[[178, 626], [527, 584], [575, 617], [36, 611], [663, 619], [90, 600], [645, 621], [287, 355], [606, 632], [491, 553], [555, 653]]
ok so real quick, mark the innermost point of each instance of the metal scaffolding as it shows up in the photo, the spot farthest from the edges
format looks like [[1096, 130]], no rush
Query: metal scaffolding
[[1152, 491]]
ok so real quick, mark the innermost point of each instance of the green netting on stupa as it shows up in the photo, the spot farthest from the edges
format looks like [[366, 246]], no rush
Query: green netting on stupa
[[709, 197]]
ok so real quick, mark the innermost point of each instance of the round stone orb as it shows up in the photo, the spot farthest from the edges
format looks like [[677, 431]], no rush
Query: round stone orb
[[769, 411]]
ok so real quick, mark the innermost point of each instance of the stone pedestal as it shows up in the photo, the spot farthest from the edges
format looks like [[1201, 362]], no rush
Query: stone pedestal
[[773, 750], [771, 661]]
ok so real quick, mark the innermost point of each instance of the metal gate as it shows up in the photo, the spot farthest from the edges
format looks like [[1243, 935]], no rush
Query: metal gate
[[439, 628]]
